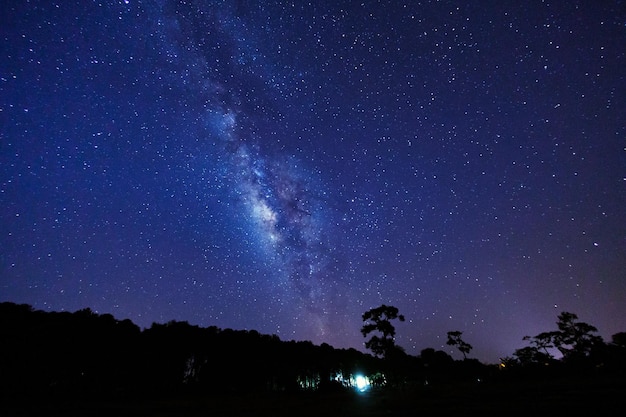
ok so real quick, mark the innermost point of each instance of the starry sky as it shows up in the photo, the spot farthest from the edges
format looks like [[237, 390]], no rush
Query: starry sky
[[286, 166]]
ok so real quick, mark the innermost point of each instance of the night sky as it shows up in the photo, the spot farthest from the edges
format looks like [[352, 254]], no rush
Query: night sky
[[286, 166]]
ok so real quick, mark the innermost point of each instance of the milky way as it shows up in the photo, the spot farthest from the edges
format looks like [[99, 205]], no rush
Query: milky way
[[275, 195], [287, 221], [285, 167]]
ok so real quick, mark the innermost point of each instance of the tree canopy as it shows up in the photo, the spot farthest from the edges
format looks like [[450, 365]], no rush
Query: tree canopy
[[454, 339], [379, 320]]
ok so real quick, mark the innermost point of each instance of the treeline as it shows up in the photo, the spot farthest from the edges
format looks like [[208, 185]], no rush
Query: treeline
[[572, 349], [84, 353]]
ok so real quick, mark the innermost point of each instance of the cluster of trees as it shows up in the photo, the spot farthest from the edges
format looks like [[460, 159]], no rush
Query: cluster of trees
[[84, 352], [574, 346], [576, 342], [377, 323]]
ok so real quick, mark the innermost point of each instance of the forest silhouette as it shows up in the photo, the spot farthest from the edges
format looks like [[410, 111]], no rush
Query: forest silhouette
[[52, 362]]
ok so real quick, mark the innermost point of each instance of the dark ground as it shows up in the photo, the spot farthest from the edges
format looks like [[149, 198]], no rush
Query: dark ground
[[554, 398]]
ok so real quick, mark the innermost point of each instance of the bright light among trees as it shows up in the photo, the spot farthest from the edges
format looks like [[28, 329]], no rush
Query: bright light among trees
[[362, 383]]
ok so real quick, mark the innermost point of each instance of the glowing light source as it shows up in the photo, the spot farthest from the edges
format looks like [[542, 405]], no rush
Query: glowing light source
[[362, 383]]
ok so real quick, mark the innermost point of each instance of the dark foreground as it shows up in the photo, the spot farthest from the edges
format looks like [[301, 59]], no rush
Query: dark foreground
[[572, 398]]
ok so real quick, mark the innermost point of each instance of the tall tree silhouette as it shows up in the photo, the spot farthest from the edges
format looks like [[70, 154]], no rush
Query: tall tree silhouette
[[379, 320], [454, 339]]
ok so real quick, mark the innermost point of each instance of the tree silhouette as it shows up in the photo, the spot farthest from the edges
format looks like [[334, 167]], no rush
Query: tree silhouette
[[379, 320], [454, 339], [537, 352], [575, 339], [530, 355], [542, 342], [619, 339]]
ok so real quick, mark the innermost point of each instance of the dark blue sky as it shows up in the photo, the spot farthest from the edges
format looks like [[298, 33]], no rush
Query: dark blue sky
[[285, 167]]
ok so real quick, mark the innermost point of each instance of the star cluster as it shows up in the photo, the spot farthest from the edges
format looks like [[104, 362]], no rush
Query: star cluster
[[286, 166]]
